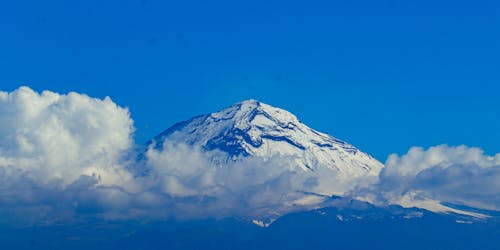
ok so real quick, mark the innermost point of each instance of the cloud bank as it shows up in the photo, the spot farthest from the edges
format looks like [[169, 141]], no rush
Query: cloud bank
[[248, 187], [72, 157], [463, 175]]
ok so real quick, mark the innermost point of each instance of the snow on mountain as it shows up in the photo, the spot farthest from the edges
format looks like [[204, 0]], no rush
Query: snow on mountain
[[255, 129]]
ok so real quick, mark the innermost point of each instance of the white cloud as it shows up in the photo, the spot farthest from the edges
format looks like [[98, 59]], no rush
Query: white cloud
[[64, 157], [51, 136], [460, 174], [58, 152], [252, 187], [199, 187]]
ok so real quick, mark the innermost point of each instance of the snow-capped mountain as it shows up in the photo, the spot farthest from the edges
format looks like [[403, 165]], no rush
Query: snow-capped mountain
[[255, 129]]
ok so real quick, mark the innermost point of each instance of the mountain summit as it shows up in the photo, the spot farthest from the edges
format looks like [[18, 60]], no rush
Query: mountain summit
[[254, 129]]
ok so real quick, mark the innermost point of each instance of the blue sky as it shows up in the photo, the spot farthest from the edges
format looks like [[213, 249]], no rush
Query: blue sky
[[384, 76]]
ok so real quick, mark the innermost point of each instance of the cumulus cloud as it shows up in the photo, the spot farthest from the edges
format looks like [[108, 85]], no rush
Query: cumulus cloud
[[49, 142], [246, 187], [72, 157], [463, 175], [52, 136]]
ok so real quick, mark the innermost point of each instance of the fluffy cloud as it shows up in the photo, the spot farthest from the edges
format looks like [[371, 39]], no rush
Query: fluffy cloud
[[71, 157], [263, 188], [462, 174], [56, 150], [61, 137]]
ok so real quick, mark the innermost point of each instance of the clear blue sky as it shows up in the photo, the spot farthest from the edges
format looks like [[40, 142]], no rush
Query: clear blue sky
[[383, 75]]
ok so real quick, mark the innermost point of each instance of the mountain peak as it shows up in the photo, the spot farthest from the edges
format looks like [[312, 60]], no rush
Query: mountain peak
[[252, 113], [254, 129], [249, 102]]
